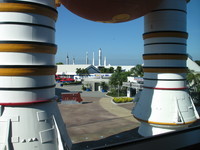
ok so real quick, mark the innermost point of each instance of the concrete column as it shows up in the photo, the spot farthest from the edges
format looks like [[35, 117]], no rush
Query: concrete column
[[128, 92], [164, 104], [29, 118]]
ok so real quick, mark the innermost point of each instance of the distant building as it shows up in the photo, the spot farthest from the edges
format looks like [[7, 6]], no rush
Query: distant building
[[70, 70], [193, 65], [95, 83], [134, 85], [124, 68]]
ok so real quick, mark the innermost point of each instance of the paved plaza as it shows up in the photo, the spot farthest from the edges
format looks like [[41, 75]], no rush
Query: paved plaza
[[97, 121]]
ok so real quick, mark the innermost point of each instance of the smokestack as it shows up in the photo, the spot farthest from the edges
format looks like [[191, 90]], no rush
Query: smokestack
[[100, 57]]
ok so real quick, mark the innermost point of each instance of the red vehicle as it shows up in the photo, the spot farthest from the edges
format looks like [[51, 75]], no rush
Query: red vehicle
[[67, 80], [57, 78]]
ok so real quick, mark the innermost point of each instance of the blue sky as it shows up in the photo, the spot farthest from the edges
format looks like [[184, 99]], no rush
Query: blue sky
[[121, 43]]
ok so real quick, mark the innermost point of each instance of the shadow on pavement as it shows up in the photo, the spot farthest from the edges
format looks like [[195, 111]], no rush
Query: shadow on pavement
[[86, 102], [114, 139]]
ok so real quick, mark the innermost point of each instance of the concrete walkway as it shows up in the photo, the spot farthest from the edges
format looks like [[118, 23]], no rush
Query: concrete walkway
[[115, 109], [98, 122]]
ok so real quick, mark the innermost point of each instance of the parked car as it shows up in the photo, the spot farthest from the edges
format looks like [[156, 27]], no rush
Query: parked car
[[67, 80]]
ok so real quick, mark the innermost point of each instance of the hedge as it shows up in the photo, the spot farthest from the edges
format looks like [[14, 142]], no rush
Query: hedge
[[72, 83], [122, 99]]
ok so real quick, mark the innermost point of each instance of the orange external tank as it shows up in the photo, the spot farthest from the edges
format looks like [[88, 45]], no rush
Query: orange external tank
[[110, 11]]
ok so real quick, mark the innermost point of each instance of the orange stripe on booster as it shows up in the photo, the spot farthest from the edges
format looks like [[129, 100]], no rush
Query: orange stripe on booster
[[28, 8], [28, 48], [27, 71], [176, 57], [165, 70], [165, 123], [165, 34]]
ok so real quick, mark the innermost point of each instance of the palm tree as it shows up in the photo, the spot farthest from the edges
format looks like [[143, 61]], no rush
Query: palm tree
[[137, 71], [104, 86], [118, 69], [82, 72], [78, 71], [59, 63], [193, 80]]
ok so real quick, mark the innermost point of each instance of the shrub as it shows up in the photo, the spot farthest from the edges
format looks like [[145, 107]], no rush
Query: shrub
[[72, 83], [114, 92], [122, 99], [83, 88]]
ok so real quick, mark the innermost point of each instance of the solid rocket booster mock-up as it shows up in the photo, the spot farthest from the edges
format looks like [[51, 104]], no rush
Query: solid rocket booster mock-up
[[29, 116], [164, 104]]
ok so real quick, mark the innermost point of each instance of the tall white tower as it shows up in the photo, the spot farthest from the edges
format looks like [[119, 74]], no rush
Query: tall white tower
[[29, 115], [100, 57], [105, 61], [67, 60], [73, 61], [93, 59], [164, 104], [87, 59]]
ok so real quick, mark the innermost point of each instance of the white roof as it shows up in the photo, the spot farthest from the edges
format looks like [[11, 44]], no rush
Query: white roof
[[71, 69], [126, 68], [192, 65]]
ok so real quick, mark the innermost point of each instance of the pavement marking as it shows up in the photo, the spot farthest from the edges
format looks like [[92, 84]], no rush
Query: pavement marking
[[116, 110]]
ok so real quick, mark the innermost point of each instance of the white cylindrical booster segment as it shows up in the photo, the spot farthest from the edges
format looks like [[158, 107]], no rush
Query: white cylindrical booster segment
[[159, 20], [167, 105], [26, 58], [164, 76], [27, 49], [29, 116], [165, 63], [165, 84], [49, 3], [26, 81], [27, 18], [26, 33]]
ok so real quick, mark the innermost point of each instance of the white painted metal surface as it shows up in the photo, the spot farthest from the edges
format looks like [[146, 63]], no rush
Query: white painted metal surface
[[50, 3], [29, 116], [164, 104], [38, 120], [26, 58], [26, 82]]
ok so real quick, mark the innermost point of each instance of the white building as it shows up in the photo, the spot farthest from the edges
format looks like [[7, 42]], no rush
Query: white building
[[193, 65], [70, 70], [124, 68]]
